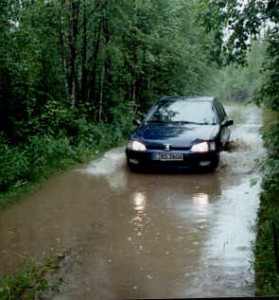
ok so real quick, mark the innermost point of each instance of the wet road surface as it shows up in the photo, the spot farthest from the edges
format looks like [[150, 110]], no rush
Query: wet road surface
[[146, 235]]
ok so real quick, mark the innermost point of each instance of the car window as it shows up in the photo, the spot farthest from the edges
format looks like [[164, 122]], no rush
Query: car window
[[200, 112], [220, 111]]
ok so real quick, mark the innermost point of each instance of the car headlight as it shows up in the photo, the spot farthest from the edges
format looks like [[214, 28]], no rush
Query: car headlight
[[203, 147], [136, 146]]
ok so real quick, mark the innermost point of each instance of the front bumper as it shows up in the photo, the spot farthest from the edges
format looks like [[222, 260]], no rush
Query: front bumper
[[191, 160]]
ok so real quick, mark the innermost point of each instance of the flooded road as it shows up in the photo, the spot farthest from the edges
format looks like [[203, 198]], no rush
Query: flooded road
[[146, 235]]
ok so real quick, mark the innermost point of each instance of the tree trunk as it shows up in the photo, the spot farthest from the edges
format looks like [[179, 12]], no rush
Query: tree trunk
[[84, 72], [93, 62], [73, 32], [64, 63], [101, 93]]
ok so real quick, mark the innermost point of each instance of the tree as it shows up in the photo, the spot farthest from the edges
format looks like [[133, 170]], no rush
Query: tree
[[234, 25], [96, 56]]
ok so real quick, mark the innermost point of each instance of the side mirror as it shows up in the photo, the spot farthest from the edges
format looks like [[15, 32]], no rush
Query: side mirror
[[137, 122], [229, 123]]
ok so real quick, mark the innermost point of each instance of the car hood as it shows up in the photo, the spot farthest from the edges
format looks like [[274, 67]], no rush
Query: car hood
[[179, 135]]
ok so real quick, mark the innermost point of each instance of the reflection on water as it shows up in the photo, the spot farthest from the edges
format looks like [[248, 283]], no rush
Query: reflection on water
[[139, 206], [139, 201], [201, 202]]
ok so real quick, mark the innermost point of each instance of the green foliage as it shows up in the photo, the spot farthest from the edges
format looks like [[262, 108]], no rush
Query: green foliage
[[13, 167], [59, 55], [268, 93], [271, 139], [62, 135], [240, 84], [44, 154], [267, 276], [233, 24], [33, 281]]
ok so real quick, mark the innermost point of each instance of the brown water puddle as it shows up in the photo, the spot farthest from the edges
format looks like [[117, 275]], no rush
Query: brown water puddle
[[145, 235]]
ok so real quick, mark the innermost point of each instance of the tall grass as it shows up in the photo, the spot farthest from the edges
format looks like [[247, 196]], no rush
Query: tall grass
[[34, 280]]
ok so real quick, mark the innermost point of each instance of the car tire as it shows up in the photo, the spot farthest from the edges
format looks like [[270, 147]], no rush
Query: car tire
[[226, 146], [214, 165], [132, 167]]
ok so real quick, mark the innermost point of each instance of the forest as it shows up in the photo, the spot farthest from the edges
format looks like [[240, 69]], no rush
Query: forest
[[74, 73]]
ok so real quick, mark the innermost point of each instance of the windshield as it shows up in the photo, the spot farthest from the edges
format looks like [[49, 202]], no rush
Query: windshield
[[199, 112]]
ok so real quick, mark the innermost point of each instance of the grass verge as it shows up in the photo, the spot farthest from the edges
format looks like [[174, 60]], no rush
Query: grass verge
[[36, 280], [267, 246]]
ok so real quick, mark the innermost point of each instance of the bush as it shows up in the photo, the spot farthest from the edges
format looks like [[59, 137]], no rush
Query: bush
[[266, 249], [44, 153], [14, 165]]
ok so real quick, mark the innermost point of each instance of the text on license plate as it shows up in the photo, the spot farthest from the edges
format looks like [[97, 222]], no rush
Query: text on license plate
[[168, 156]]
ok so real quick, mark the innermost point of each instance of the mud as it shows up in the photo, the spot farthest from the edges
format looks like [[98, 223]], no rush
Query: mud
[[146, 235]]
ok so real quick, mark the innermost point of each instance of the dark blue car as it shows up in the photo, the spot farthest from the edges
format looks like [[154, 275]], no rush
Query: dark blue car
[[180, 133]]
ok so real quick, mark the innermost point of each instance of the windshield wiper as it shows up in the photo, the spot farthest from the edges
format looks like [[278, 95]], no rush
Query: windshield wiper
[[156, 121], [185, 122], [177, 122], [191, 122]]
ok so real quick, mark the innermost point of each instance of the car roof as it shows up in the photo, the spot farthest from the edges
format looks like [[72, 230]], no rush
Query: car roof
[[194, 98]]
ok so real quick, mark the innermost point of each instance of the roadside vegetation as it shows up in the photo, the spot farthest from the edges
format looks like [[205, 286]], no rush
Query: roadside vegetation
[[35, 280], [234, 83], [73, 74], [24, 166], [267, 245]]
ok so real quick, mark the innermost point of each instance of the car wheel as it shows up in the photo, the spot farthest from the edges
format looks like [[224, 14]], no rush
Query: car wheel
[[213, 166], [132, 167], [226, 146]]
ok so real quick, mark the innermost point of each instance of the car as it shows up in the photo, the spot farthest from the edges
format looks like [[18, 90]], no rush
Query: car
[[180, 133]]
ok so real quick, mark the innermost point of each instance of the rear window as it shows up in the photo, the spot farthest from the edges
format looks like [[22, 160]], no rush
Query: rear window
[[200, 112]]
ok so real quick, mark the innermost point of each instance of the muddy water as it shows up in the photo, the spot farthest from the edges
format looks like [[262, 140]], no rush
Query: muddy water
[[146, 235]]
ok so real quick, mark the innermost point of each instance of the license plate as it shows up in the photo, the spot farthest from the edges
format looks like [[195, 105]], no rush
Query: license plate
[[168, 156]]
